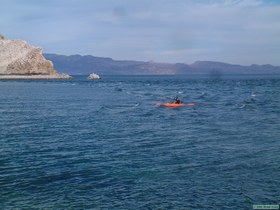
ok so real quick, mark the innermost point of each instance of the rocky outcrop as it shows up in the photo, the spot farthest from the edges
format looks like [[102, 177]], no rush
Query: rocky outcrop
[[94, 76], [17, 57]]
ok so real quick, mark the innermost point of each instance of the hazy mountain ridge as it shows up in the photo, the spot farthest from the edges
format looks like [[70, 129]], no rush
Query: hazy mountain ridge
[[78, 65]]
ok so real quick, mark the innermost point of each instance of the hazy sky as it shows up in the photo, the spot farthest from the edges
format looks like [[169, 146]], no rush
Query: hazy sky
[[232, 31]]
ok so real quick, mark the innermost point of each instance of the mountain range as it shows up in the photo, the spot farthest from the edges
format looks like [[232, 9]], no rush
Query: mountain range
[[82, 65]]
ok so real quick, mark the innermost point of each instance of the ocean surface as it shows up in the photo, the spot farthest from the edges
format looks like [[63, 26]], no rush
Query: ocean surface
[[108, 144]]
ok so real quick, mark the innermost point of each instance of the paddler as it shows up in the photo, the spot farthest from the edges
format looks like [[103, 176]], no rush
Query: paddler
[[177, 100]]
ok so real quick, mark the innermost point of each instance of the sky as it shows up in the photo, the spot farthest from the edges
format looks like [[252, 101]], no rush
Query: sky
[[171, 31]]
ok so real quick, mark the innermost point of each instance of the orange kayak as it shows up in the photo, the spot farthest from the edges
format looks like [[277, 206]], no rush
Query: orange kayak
[[177, 105]]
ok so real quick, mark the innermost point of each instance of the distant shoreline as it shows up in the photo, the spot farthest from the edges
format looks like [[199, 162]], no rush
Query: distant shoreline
[[56, 76]]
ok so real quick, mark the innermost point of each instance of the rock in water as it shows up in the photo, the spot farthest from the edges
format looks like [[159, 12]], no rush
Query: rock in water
[[17, 57], [94, 76]]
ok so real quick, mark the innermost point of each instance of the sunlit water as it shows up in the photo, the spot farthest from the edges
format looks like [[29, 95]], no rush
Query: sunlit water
[[108, 145]]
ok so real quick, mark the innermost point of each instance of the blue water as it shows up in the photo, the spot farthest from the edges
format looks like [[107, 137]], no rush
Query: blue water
[[107, 144]]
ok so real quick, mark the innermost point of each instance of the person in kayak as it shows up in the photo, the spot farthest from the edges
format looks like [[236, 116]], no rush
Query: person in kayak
[[177, 100]]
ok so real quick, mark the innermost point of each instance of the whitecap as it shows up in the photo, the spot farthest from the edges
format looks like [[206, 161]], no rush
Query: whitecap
[[242, 106]]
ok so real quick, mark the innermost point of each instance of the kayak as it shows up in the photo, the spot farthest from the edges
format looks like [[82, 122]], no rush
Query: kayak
[[177, 105], [173, 105]]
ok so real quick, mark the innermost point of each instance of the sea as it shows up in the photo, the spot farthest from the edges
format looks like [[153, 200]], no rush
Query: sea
[[111, 144]]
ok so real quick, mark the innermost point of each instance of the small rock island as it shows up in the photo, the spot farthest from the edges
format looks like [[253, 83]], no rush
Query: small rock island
[[20, 60], [94, 76]]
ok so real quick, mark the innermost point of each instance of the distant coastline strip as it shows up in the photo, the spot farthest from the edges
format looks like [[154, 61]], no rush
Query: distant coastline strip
[[54, 76]]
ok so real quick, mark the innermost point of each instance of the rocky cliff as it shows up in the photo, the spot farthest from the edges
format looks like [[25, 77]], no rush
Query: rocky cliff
[[17, 57]]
